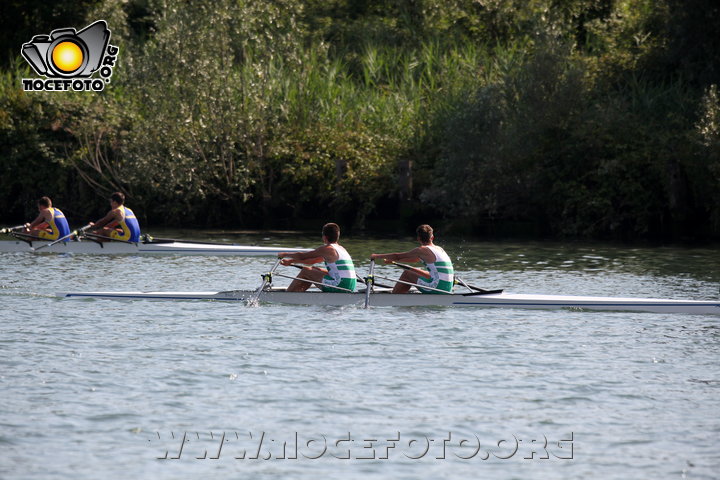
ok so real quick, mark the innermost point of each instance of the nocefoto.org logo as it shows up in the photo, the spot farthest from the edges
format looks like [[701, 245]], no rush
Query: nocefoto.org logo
[[68, 58]]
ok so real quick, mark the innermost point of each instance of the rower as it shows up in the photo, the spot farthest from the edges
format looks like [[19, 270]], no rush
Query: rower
[[439, 274], [339, 271], [50, 224], [120, 222]]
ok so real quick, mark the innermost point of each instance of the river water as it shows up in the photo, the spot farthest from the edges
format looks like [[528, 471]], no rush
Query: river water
[[153, 390]]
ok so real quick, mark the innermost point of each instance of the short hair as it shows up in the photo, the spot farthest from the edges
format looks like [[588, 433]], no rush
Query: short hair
[[45, 202], [118, 197], [331, 231], [424, 233]]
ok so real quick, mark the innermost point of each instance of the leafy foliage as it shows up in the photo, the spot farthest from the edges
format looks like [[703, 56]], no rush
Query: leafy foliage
[[584, 118]]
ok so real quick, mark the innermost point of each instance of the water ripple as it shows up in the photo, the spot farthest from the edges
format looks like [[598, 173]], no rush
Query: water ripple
[[99, 386]]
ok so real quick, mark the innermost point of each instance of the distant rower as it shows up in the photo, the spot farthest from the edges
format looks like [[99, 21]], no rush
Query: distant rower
[[50, 224], [119, 223], [439, 276]]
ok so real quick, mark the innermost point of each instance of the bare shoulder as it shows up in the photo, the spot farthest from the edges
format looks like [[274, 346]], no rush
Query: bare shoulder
[[322, 249], [418, 250], [318, 252], [329, 253], [424, 253]]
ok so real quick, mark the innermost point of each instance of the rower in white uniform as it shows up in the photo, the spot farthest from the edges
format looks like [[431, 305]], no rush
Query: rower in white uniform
[[339, 269], [439, 274]]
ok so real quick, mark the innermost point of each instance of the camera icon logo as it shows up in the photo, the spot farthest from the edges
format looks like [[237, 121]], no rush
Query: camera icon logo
[[68, 54]]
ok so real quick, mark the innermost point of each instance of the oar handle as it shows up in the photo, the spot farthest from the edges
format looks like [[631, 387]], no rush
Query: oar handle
[[11, 229]]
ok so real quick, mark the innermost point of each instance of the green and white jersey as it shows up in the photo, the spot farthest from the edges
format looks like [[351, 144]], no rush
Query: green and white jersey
[[341, 273], [441, 272]]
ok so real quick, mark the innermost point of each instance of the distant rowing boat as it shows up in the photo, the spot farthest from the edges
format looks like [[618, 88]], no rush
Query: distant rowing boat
[[382, 298], [155, 247]]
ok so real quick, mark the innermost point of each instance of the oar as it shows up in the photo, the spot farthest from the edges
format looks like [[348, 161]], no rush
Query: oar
[[94, 236], [410, 267], [10, 229], [375, 284], [267, 278], [313, 282], [418, 286], [26, 237], [369, 282], [359, 278], [76, 232], [478, 290]]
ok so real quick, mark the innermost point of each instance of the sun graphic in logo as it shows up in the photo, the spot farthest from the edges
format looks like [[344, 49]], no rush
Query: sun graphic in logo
[[67, 56]]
